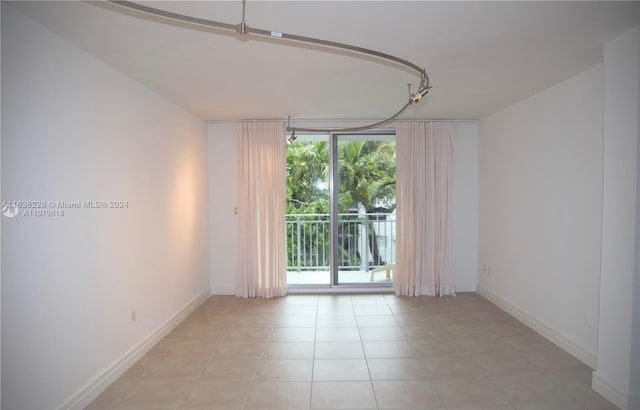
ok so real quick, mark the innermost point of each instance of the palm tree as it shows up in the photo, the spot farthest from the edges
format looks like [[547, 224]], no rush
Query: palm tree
[[365, 169], [366, 175]]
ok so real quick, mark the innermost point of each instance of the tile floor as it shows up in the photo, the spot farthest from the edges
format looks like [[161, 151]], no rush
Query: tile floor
[[353, 352]]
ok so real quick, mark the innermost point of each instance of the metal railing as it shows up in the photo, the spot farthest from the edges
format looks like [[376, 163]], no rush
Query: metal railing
[[365, 241]]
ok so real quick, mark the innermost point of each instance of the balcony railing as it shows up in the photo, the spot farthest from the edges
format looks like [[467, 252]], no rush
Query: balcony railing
[[365, 241]]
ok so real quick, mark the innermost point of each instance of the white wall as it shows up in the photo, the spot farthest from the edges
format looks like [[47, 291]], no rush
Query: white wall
[[223, 198], [615, 377], [223, 180], [75, 129], [540, 210], [464, 205]]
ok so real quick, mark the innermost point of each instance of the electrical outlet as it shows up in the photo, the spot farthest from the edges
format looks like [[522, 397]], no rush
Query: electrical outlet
[[133, 315], [486, 270]]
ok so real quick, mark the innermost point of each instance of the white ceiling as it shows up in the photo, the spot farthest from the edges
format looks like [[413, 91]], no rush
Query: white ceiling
[[480, 56]]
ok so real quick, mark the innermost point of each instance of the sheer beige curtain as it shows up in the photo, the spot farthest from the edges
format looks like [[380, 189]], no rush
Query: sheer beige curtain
[[423, 230], [262, 268]]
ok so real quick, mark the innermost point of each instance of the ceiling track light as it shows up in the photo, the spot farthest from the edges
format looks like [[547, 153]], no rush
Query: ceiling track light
[[243, 29]]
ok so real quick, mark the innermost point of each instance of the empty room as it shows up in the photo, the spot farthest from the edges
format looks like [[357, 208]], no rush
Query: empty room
[[320, 205]]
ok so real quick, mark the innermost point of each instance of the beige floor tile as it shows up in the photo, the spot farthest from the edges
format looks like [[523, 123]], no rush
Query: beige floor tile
[[409, 310], [100, 403], [240, 350], [342, 395], [279, 396], [438, 347], [301, 300], [195, 348], [152, 398], [178, 367], [292, 310], [469, 330], [367, 300], [337, 321], [599, 405], [293, 334], [551, 406], [218, 393], [246, 334], [505, 363], [529, 343], [416, 319], [457, 353], [231, 369], [141, 367], [484, 344], [340, 370], [443, 367], [424, 332], [491, 407], [478, 305], [479, 391], [503, 329], [493, 315], [339, 350], [289, 350], [398, 369], [162, 348], [392, 349], [376, 321], [554, 359], [406, 394], [265, 320], [335, 310], [457, 318], [153, 383], [373, 334], [296, 321], [531, 389], [285, 370], [205, 332], [577, 383], [146, 406], [334, 300], [337, 334], [365, 310], [211, 406]]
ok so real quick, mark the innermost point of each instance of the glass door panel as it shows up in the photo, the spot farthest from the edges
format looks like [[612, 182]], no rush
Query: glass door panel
[[308, 237], [364, 208]]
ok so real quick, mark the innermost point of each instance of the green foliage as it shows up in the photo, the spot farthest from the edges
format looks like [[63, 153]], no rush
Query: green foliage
[[367, 172], [307, 175], [366, 179]]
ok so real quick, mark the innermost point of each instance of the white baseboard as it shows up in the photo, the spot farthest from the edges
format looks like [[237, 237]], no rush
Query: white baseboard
[[223, 290], [457, 287], [464, 287], [630, 401], [586, 357], [93, 389]]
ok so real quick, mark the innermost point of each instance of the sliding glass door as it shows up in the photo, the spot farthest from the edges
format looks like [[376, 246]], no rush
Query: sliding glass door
[[341, 210], [308, 216], [365, 200]]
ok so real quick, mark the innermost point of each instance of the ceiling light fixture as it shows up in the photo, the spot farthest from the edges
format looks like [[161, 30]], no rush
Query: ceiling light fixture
[[243, 29]]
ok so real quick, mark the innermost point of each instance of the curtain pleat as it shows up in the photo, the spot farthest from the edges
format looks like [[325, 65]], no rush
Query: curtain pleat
[[262, 249], [423, 172]]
